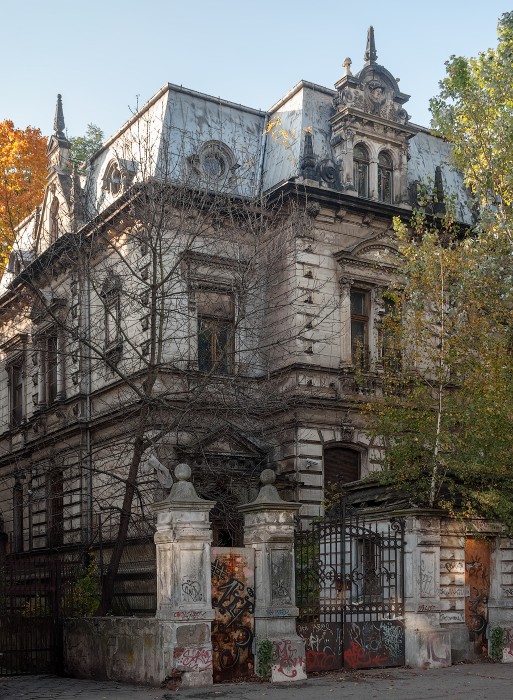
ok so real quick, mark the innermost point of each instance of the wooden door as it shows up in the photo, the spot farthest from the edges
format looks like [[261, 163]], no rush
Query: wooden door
[[233, 600], [477, 591]]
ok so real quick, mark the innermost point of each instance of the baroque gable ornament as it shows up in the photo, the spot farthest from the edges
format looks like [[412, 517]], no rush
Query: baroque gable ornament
[[373, 90]]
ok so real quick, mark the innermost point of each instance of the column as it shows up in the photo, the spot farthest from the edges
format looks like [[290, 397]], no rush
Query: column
[[184, 608], [269, 530]]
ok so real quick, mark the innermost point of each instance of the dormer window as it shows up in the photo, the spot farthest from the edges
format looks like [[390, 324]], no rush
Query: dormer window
[[385, 172], [361, 170], [112, 181]]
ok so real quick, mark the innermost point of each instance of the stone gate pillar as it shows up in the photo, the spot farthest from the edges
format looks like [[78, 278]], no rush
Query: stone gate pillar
[[427, 643], [184, 606], [269, 530]]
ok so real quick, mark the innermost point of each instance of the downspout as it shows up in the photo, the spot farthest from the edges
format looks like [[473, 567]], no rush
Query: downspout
[[86, 388]]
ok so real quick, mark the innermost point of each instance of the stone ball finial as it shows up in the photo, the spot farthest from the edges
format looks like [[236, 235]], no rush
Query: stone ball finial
[[267, 477], [183, 472], [347, 65]]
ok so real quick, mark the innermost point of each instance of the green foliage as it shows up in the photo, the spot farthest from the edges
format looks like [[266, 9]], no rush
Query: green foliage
[[496, 643], [83, 147], [264, 657], [86, 591], [474, 111], [445, 416]]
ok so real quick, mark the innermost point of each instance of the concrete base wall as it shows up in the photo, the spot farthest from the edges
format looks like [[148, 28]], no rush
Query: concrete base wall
[[115, 648], [428, 648]]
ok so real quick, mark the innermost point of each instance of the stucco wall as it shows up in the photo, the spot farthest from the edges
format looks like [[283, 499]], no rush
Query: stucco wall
[[115, 648]]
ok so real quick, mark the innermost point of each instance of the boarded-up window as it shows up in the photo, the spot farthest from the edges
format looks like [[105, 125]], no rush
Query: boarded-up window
[[341, 465]]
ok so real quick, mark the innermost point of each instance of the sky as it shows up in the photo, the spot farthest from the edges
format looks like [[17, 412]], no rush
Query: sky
[[106, 57]]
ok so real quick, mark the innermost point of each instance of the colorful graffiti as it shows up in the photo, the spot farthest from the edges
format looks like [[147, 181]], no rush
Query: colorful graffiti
[[324, 645], [233, 600], [374, 644]]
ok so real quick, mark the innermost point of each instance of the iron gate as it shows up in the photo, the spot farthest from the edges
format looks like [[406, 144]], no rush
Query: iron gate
[[350, 590], [32, 591]]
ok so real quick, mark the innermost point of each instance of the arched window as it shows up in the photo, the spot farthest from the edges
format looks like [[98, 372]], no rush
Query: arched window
[[112, 181], [341, 465], [385, 178], [361, 170]]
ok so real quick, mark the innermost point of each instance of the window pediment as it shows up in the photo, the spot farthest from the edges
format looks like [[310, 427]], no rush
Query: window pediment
[[379, 252], [47, 304]]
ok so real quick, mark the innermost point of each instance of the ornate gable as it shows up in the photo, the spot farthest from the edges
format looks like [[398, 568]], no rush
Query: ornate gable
[[378, 253]]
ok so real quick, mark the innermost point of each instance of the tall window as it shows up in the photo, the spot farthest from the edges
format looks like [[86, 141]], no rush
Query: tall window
[[215, 331], [55, 493], [341, 465], [390, 343], [111, 295], [360, 328], [361, 170], [385, 178], [17, 509], [370, 583], [50, 360], [16, 392], [54, 220], [112, 319]]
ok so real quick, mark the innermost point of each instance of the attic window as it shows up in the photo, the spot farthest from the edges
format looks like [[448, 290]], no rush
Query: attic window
[[214, 165], [215, 160], [112, 181]]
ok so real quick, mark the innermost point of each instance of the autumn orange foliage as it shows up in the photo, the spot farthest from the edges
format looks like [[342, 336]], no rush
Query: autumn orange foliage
[[22, 179]]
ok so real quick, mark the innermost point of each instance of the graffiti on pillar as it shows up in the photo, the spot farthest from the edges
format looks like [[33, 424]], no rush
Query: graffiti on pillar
[[374, 644], [286, 662], [233, 600], [477, 583]]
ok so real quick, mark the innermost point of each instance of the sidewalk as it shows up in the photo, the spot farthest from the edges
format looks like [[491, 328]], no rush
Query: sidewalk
[[485, 681]]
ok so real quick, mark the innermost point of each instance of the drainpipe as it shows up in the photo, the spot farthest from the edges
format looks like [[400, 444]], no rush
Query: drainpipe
[[86, 389]]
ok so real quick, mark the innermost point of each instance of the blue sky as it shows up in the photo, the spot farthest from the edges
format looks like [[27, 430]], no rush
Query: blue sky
[[107, 56]]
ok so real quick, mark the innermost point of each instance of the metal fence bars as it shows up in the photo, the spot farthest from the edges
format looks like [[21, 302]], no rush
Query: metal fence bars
[[350, 590], [34, 592]]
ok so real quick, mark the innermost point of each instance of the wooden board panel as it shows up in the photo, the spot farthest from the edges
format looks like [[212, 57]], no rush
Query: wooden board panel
[[233, 600], [477, 591]]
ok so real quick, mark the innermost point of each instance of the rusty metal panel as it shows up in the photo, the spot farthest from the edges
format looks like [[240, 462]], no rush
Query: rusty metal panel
[[477, 591], [233, 600]]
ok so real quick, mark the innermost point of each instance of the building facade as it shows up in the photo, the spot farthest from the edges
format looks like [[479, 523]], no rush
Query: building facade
[[207, 288]]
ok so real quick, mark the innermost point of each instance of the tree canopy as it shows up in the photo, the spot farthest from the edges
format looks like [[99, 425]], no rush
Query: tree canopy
[[445, 416], [83, 147], [22, 179], [474, 111], [445, 419]]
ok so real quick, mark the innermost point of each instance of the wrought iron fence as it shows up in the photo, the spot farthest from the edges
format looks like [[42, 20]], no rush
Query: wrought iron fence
[[350, 589]]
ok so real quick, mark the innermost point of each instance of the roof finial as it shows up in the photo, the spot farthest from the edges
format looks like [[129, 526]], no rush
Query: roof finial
[[58, 122], [370, 51]]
